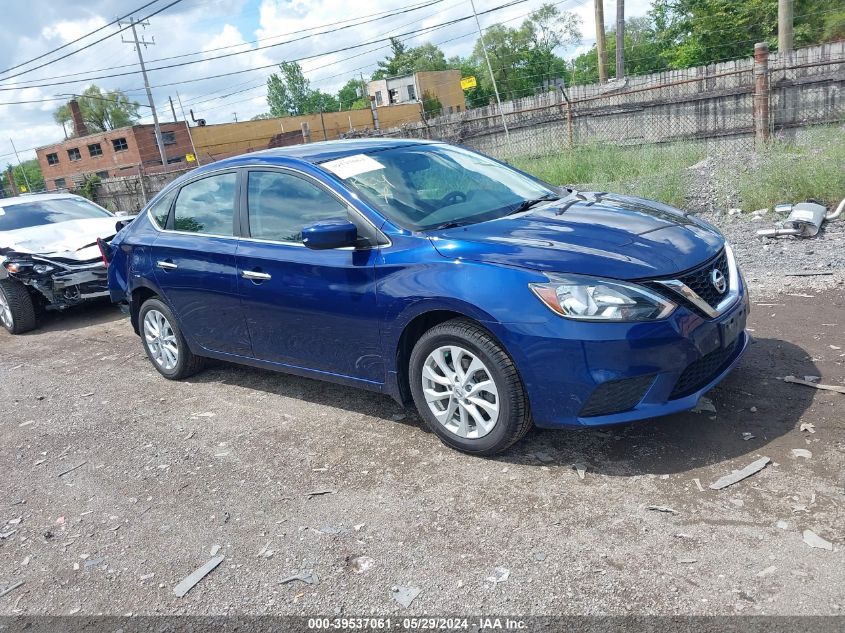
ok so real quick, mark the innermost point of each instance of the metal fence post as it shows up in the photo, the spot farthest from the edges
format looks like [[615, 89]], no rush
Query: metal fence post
[[761, 92], [141, 181]]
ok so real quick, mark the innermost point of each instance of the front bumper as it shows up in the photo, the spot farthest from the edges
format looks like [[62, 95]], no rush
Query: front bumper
[[605, 373]]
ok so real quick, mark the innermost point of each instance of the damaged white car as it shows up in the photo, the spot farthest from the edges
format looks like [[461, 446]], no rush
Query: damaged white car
[[49, 255]]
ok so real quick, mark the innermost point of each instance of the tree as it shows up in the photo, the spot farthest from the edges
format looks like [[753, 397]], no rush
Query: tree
[[290, 94], [404, 61], [353, 95], [642, 53], [431, 105], [101, 111], [33, 175]]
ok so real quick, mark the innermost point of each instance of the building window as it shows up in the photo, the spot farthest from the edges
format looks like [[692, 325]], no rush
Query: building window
[[95, 149], [73, 153], [378, 98], [393, 96], [119, 144], [457, 108], [168, 138], [412, 93], [52, 159], [102, 175], [177, 159], [60, 183]]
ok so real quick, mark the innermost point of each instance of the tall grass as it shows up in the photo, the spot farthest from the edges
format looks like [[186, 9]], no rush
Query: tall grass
[[812, 166], [658, 172]]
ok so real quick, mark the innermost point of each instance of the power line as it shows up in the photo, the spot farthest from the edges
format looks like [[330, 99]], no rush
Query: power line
[[78, 50], [82, 37], [381, 15]]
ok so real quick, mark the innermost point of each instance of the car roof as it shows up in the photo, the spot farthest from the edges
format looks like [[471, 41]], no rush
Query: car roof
[[35, 197], [323, 151]]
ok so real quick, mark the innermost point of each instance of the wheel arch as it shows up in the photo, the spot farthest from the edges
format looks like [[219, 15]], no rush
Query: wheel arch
[[139, 295]]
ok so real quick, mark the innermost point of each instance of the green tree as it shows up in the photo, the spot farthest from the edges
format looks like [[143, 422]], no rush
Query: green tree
[[101, 111], [353, 95], [431, 105], [289, 93], [404, 61], [33, 175]]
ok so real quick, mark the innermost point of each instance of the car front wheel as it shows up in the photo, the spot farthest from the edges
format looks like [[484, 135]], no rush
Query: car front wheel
[[164, 343], [467, 389], [17, 310]]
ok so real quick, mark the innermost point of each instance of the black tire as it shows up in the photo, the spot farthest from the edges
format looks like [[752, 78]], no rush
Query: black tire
[[514, 413], [21, 306], [187, 363]]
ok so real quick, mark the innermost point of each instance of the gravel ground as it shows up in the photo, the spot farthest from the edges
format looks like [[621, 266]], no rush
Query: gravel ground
[[157, 475]]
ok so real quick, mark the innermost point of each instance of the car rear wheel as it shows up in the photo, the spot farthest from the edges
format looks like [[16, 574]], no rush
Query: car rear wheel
[[164, 343], [17, 310], [467, 389]]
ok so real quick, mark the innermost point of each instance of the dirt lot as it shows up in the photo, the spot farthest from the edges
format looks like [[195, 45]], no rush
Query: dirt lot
[[166, 471]]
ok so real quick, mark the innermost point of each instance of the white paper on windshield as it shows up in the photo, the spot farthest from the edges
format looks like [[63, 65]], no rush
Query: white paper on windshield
[[352, 165], [2, 212]]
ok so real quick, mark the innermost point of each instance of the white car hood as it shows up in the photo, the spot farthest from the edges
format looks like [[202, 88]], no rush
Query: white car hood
[[75, 239]]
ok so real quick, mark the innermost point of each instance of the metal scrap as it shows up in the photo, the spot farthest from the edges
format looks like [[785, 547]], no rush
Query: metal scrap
[[816, 385], [738, 475], [805, 219], [662, 509], [308, 576], [192, 579], [70, 470], [11, 588], [319, 493], [581, 469]]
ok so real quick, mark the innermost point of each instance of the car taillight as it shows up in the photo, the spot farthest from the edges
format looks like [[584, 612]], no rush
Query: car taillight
[[105, 251]]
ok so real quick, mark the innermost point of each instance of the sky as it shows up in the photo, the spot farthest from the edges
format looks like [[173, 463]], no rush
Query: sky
[[197, 30]]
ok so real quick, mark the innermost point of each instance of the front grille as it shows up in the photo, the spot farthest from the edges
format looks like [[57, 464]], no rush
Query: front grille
[[700, 283], [700, 372], [616, 396]]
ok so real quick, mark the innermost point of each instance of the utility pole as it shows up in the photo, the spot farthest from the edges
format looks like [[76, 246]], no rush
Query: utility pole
[[601, 45], [20, 164], [138, 43], [785, 25], [620, 39], [172, 109], [373, 107], [235, 114], [490, 70], [188, 125]]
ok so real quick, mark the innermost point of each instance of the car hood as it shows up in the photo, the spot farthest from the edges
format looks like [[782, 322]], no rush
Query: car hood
[[616, 236], [75, 239]]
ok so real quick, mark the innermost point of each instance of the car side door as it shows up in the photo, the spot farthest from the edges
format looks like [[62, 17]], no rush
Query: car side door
[[311, 309], [195, 267]]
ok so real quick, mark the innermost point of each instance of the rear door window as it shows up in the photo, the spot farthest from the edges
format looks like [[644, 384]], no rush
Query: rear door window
[[161, 208], [207, 206]]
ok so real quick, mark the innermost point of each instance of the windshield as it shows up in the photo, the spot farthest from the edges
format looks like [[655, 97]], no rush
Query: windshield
[[422, 187], [40, 212]]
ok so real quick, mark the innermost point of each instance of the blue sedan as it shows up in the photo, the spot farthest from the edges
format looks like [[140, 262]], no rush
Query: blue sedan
[[442, 277]]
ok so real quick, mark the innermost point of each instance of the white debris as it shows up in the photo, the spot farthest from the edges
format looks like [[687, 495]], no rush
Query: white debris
[[747, 436], [801, 452], [783, 525], [808, 426], [500, 574], [194, 577], [814, 540], [739, 475], [581, 469], [704, 405], [360, 564], [405, 595]]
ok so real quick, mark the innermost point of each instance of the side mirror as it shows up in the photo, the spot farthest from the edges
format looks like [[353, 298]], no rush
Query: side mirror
[[330, 234]]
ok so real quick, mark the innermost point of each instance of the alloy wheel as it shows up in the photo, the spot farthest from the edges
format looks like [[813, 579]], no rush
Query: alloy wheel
[[460, 392], [161, 340]]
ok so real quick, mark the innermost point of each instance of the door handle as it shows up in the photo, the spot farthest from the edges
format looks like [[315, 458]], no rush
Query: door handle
[[166, 265], [254, 275]]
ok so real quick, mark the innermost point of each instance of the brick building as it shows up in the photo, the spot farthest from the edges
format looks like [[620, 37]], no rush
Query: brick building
[[110, 154], [443, 85]]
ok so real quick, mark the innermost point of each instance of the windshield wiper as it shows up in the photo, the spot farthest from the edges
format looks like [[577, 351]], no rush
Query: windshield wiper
[[527, 204]]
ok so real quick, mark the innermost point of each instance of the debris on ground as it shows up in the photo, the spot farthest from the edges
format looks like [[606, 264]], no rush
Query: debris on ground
[[320, 493], [808, 426], [738, 475], [194, 577], [783, 525], [70, 470], [698, 484], [666, 509], [405, 595], [765, 572], [687, 561], [811, 378], [360, 564], [581, 469], [801, 452], [330, 529], [539, 556], [804, 220], [807, 383], [398, 417], [500, 574], [814, 540], [704, 405], [747, 436], [265, 551], [214, 550], [11, 588], [543, 457], [308, 576]]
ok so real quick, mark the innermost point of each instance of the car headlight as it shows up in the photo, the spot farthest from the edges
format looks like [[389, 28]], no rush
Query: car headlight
[[596, 299]]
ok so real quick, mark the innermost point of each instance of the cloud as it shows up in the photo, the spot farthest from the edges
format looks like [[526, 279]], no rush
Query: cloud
[[195, 28]]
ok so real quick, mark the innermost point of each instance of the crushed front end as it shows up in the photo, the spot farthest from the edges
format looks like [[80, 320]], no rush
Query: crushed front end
[[57, 283]]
